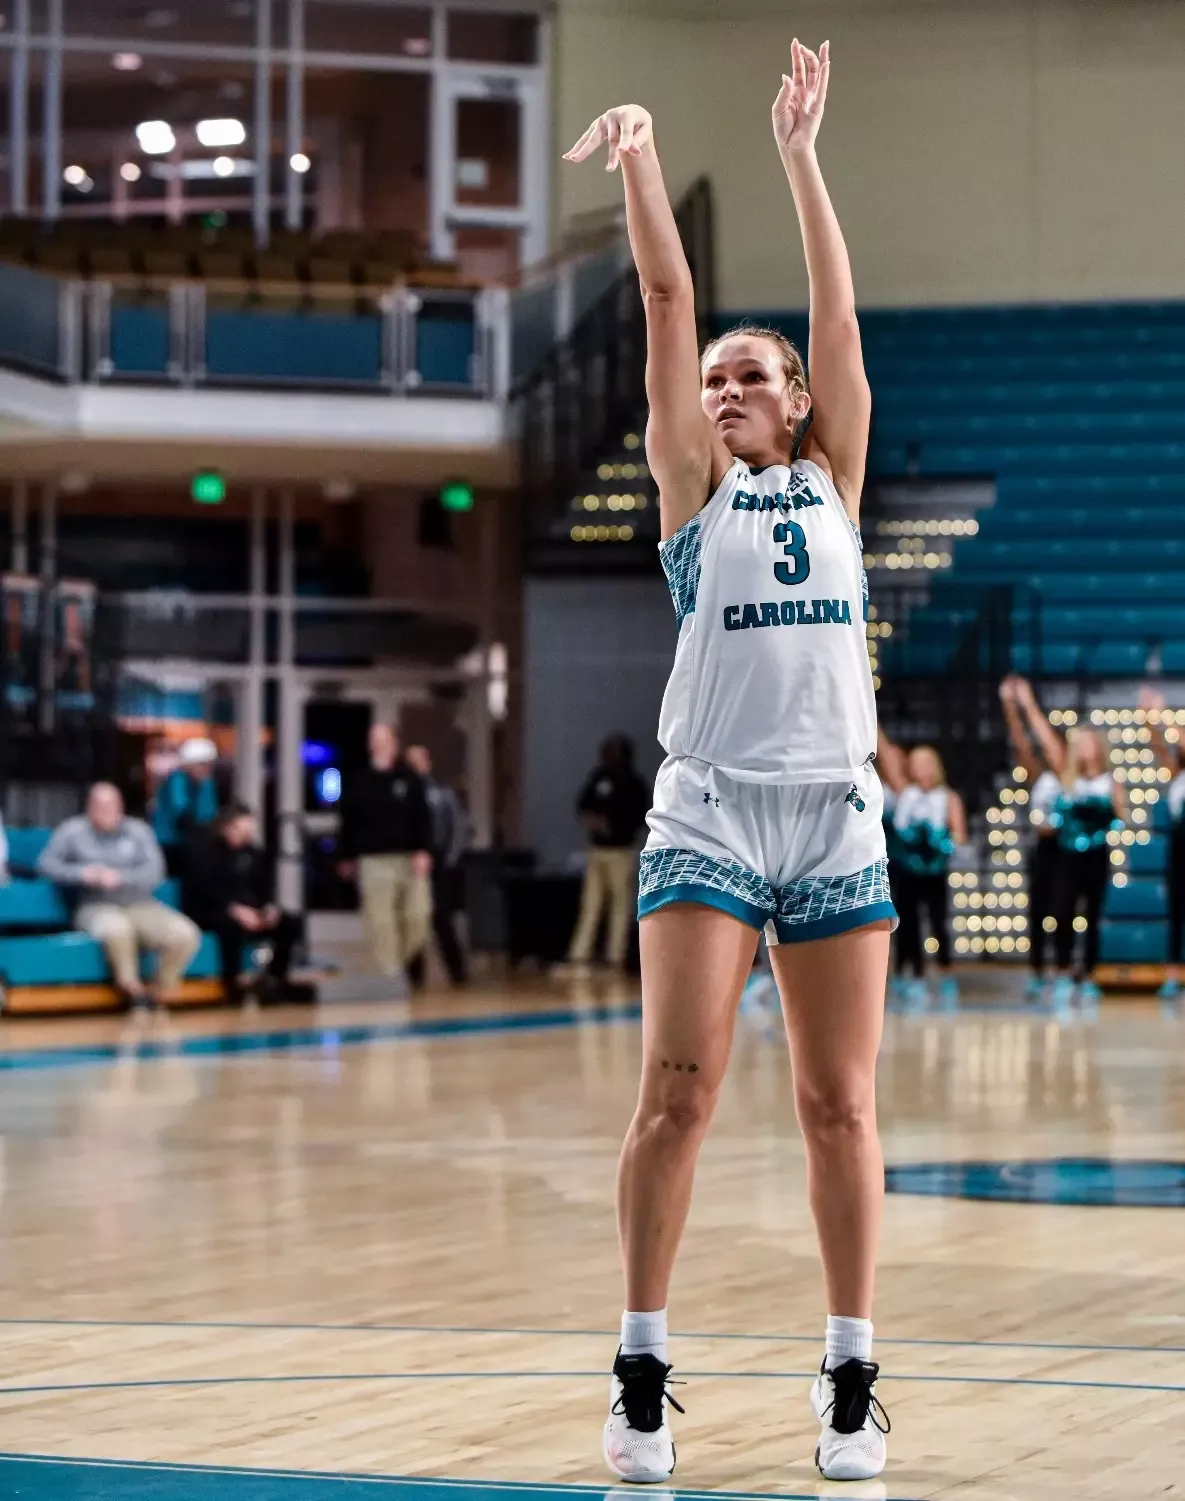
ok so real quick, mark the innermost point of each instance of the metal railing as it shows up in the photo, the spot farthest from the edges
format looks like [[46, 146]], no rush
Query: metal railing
[[399, 341]]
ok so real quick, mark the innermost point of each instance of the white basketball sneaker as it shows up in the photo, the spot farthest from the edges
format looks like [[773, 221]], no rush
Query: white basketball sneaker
[[852, 1442], [638, 1444]]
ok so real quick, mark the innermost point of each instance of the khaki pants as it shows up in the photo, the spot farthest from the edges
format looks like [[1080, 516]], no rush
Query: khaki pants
[[397, 910], [608, 877], [124, 930]]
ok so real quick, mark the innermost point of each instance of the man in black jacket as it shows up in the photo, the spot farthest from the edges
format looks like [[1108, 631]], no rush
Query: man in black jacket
[[385, 840], [228, 890], [612, 806]]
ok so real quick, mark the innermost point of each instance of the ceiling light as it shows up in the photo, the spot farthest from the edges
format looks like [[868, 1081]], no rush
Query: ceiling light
[[156, 137], [130, 172], [417, 46], [223, 166], [221, 132], [299, 162], [127, 62], [75, 176]]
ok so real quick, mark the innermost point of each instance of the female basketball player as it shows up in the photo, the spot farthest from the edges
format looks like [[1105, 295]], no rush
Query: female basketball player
[[929, 823], [1169, 756], [767, 810], [1090, 803], [1044, 789]]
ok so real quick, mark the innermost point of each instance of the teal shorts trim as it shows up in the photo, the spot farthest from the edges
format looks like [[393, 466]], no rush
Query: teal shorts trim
[[704, 896], [835, 923]]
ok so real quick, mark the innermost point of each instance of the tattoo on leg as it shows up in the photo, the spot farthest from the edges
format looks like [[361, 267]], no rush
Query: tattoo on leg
[[692, 1068]]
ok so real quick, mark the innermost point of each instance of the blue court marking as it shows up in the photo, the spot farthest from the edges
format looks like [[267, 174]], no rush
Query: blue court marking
[[50, 1479], [301, 1039], [943, 1379], [1140, 1183], [785, 1339]]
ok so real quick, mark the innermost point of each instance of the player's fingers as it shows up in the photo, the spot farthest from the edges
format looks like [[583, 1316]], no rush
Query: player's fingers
[[587, 142], [643, 130], [799, 69], [613, 126], [824, 75]]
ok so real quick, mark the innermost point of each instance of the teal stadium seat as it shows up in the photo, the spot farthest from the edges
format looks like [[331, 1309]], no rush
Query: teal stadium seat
[[1144, 897], [75, 959], [1151, 858], [1129, 942]]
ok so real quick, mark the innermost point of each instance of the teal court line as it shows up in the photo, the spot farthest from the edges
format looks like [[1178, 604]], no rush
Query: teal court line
[[597, 1375], [430, 1484], [303, 1039], [785, 1339]]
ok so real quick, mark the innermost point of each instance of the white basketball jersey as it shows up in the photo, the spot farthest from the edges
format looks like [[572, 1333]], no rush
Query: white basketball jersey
[[771, 681]]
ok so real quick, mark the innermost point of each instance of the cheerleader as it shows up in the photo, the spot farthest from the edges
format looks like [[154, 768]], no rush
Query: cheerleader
[[1044, 789], [929, 823], [1169, 756], [1089, 805]]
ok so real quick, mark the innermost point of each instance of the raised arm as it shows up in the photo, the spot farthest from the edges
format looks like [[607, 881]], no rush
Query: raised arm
[[687, 456], [1022, 746], [1053, 747], [890, 762], [840, 398]]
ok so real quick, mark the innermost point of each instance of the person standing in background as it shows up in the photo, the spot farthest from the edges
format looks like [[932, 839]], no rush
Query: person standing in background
[[1043, 792], [385, 842], [186, 800], [612, 806], [450, 838], [1168, 755]]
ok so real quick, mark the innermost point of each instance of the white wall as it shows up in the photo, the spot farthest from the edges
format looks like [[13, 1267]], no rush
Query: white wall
[[977, 150]]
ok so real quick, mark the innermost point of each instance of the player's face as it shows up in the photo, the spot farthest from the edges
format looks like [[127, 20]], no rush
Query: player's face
[[746, 398]]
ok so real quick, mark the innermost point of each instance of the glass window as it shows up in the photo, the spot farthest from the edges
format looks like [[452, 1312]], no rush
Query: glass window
[[367, 26], [488, 152], [175, 132], [226, 23], [476, 36]]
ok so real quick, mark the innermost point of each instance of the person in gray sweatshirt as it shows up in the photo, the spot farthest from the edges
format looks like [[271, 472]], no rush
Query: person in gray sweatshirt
[[109, 866]]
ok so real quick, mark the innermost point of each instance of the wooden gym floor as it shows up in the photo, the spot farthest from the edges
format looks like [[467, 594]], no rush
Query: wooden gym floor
[[245, 1257]]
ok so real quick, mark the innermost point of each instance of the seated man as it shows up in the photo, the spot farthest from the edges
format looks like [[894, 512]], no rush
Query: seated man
[[229, 885], [109, 866]]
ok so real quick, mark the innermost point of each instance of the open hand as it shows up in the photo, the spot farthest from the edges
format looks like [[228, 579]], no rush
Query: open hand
[[798, 109], [628, 130]]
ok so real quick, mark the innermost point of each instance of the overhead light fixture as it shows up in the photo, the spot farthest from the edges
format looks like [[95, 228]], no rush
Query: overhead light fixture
[[224, 166], [130, 172], [127, 62], [417, 46], [221, 132], [155, 137], [299, 162], [75, 176]]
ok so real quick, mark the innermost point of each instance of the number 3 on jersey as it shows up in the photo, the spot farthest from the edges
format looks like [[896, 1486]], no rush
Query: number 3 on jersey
[[790, 533]]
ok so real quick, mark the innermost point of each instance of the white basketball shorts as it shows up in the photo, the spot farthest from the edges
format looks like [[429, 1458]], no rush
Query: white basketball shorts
[[801, 861]]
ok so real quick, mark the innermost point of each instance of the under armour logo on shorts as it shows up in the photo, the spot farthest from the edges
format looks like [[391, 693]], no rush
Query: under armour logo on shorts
[[708, 798]]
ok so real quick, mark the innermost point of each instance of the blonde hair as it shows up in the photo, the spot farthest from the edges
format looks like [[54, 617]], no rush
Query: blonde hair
[[1077, 739], [793, 364], [930, 751]]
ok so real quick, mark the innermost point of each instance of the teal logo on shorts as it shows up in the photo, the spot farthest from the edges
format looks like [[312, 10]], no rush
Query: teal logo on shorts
[[855, 799]]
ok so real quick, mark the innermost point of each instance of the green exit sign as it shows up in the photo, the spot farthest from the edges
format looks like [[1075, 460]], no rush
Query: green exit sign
[[208, 489], [456, 495]]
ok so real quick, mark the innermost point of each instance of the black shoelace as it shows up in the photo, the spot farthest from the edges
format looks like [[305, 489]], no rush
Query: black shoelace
[[644, 1383], [854, 1398]]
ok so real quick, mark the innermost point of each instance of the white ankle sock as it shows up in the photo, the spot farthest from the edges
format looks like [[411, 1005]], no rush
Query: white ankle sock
[[847, 1339], [644, 1334]]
